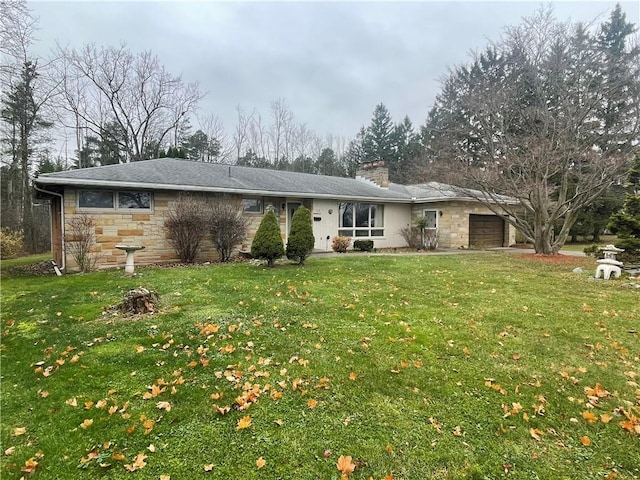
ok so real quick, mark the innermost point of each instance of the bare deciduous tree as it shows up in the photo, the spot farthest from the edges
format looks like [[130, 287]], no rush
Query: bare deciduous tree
[[547, 116], [103, 85]]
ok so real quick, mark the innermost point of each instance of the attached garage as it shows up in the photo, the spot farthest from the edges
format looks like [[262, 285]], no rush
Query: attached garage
[[486, 231]]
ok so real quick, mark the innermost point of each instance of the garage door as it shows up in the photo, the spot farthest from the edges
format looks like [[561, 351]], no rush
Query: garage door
[[486, 231]]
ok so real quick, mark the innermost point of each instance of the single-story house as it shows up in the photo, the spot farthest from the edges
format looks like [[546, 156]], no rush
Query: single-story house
[[130, 202]]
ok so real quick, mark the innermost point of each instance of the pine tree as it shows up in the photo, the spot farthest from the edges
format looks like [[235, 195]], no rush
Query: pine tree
[[626, 223], [378, 141], [301, 239], [267, 244]]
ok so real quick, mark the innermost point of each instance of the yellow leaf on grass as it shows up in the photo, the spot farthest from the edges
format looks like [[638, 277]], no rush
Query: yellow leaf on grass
[[312, 403], [353, 376], [30, 465], [589, 417], [244, 422], [163, 406], [138, 463], [165, 477], [72, 402], [345, 465], [605, 418], [139, 349], [86, 423], [535, 434], [10, 451], [586, 441], [208, 468], [19, 431], [261, 462]]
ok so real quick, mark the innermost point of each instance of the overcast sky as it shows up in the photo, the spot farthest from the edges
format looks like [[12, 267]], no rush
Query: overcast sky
[[332, 62]]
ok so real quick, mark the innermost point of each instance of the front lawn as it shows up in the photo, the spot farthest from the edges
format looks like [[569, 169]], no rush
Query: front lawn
[[417, 367]]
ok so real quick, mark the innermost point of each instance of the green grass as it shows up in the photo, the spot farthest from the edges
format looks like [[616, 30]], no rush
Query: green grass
[[17, 262], [436, 367]]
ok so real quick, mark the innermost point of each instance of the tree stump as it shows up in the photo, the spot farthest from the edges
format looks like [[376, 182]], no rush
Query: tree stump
[[138, 301]]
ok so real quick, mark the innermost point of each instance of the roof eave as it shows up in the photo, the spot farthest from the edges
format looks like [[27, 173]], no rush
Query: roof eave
[[196, 188]]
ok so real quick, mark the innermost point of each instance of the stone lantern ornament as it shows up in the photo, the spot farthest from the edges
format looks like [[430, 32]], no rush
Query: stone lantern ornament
[[609, 265]]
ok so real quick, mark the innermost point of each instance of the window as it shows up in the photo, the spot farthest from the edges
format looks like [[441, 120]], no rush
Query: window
[[432, 218], [252, 205], [361, 220], [134, 200], [95, 199], [107, 199]]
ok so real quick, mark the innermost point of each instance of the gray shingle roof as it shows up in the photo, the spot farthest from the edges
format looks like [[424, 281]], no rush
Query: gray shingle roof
[[185, 175]]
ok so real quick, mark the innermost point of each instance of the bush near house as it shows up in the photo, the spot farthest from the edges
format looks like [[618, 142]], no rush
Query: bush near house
[[301, 239], [363, 245], [267, 243], [186, 225], [340, 244], [228, 227]]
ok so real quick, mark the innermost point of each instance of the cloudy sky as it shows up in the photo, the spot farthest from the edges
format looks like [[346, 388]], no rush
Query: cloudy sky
[[332, 62]]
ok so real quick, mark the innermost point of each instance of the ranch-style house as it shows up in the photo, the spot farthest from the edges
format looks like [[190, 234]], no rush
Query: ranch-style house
[[130, 202]]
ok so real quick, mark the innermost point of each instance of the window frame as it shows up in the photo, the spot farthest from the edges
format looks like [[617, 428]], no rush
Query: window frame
[[115, 195], [435, 214], [260, 201], [357, 226]]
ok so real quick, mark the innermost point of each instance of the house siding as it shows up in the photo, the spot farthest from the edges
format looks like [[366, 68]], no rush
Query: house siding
[[453, 222]]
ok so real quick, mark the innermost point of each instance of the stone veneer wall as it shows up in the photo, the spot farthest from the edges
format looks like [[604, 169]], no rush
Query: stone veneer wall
[[453, 225], [142, 228]]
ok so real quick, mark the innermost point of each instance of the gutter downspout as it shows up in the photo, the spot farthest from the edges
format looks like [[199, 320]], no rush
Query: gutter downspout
[[62, 232]]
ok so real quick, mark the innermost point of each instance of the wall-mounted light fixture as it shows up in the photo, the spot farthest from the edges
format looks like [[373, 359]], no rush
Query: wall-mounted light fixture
[[330, 211]]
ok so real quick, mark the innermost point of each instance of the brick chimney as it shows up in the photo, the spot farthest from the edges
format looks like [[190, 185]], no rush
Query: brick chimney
[[376, 172]]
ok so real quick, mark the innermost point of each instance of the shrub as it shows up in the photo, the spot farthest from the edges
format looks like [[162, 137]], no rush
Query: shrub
[[82, 239], [11, 243], [591, 250], [412, 236], [267, 243], [363, 245], [340, 244], [228, 227], [187, 224], [301, 239]]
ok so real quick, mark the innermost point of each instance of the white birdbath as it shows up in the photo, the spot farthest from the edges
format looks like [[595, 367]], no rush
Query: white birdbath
[[130, 249]]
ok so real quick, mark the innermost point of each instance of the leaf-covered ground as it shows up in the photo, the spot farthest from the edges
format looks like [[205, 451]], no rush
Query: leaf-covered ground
[[407, 367]]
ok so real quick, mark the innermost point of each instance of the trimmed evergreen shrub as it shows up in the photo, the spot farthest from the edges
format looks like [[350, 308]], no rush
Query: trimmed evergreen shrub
[[301, 239], [363, 245], [267, 244]]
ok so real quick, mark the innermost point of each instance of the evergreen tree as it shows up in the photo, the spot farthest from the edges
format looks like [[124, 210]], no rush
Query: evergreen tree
[[407, 147], [378, 140], [301, 239], [626, 222], [267, 244]]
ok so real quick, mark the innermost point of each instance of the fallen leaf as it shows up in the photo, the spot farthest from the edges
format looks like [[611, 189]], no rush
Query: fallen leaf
[[261, 462], [312, 403], [589, 417], [138, 463], [30, 465], [353, 376], [139, 349], [605, 418], [586, 441], [19, 431], [345, 465], [10, 451], [208, 468], [72, 402], [86, 423], [244, 422], [165, 477], [163, 406], [535, 434]]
